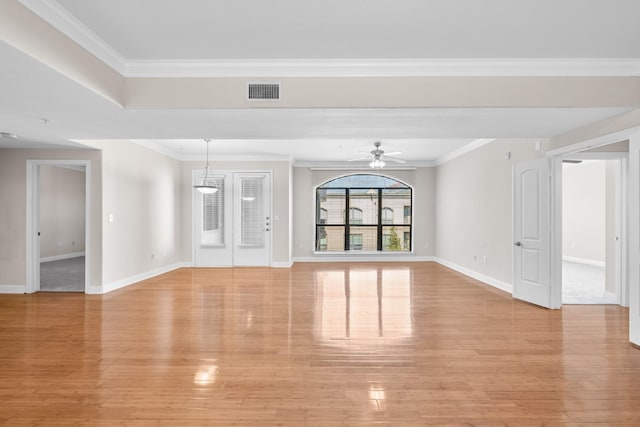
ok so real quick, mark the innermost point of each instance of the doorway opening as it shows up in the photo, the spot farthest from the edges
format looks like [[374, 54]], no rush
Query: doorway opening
[[58, 233], [62, 226], [591, 230]]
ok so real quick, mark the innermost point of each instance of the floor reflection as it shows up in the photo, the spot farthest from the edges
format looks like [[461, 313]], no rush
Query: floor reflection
[[363, 303], [315, 344]]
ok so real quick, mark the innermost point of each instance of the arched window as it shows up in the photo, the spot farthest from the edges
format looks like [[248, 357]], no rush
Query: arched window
[[371, 201]]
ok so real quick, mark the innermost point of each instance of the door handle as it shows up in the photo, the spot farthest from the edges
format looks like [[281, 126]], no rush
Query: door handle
[[518, 243]]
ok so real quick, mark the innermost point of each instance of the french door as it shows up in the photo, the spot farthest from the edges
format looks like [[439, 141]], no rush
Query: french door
[[232, 227]]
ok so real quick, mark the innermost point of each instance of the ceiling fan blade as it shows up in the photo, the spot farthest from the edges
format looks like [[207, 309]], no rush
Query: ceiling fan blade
[[393, 159], [393, 153]]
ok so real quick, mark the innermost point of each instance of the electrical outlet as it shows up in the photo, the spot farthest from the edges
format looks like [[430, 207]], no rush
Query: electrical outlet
[[484, 259]]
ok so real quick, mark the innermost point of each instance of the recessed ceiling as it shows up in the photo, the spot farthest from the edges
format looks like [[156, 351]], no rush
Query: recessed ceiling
[[371, 29], [332, 30]]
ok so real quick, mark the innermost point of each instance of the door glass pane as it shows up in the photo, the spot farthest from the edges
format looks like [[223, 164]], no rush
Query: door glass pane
[[213, 214], [252, 217]]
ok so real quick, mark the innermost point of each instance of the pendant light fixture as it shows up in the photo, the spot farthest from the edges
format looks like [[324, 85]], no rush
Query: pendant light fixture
[[205, 187]]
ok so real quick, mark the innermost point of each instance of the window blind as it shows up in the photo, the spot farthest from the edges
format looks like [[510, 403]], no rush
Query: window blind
[[213, 214], [252, 217]]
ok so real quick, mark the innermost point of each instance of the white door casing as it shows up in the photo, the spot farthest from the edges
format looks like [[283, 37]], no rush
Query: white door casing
[[634, 238], [531, 216], [33, 223]]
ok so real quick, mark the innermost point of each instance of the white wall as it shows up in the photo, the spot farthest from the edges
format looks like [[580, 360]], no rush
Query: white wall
[[305, 181], [473, 207], [583, 211], [142, 193], [281, 193], [62, 211], [13, 215]]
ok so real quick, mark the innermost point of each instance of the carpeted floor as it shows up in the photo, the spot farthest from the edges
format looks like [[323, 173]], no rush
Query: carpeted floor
[[584, 284], [66, 275]]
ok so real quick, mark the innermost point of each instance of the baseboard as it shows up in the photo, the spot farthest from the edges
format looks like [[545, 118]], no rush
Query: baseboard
[[287, 264], [63, 256], [362, 258], [503, 286], [584, 261], [119, 284], [13, 289]]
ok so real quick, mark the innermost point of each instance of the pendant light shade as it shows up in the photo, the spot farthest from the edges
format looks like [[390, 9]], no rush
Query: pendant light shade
[[205, 187]]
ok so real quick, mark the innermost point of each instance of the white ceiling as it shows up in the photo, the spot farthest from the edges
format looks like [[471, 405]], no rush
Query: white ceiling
[[292, 29], [364, 29]]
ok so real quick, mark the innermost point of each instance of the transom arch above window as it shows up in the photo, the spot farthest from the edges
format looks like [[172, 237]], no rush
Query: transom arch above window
[[379, 214]]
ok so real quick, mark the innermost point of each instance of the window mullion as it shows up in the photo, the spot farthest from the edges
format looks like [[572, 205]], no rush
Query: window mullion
[[347, 213], [379, 240]]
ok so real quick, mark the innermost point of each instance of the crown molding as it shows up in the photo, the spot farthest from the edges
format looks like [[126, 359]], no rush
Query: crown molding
[[348, 169], [67, 24], [528, 67], [364, 165]]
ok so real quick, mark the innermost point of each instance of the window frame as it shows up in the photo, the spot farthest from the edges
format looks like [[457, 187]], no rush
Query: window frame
[[380, 225]]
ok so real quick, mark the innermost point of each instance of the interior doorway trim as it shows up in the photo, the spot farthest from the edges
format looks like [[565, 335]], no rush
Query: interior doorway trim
[[574, 152], [33, 195]]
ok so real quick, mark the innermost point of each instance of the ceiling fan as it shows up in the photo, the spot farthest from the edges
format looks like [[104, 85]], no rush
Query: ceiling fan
[[378, 157]]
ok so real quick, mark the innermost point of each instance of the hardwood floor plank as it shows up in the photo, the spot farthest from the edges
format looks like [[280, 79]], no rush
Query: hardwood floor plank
[[319, 344]]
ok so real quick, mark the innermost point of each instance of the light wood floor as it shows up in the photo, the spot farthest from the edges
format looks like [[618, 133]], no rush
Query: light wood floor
[[318, 344]]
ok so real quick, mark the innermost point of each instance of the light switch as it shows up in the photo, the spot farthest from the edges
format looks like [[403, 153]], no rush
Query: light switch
[[111, 217]]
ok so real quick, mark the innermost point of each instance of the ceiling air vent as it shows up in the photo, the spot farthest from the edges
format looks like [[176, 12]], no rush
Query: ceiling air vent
[[263, 91]]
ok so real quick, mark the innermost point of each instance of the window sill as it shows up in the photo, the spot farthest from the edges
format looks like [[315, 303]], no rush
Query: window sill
[[363, 253]]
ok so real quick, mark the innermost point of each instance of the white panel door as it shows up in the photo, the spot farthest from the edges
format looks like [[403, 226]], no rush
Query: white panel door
[[252, 219], [634, 239], [531, 251], [212, 222]]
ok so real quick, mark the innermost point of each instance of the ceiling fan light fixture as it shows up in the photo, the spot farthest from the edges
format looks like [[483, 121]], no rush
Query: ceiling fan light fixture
[[206, 188], [377, 163]]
